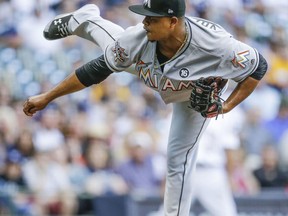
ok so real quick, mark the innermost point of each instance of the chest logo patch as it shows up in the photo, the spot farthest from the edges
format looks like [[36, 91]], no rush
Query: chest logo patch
[[119, 53], [184, 73], [142, 64]]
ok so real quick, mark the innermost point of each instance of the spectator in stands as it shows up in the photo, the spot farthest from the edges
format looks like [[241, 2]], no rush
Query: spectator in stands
[[257, 15], [9, 127], [283, 152], [13, 188], [75, 135], [241, 178], [279, 124], [278, 57], [75, 171], [48, 135], [102, 180], [139, 169], [24, 144], [47, 179], [254, 136], [34, 23], [269, 175], [99, 176], [49, 185], [254, 103], [8, 32], [2, 153]]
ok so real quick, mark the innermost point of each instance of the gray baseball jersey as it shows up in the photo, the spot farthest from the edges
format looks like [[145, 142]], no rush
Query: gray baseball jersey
[[210, 51]]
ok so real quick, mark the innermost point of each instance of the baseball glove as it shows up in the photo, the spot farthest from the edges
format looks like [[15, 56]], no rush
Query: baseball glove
[[205, 96]]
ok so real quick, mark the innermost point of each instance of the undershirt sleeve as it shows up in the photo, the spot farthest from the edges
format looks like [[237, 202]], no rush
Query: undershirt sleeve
[[93, 72], [261, 69]]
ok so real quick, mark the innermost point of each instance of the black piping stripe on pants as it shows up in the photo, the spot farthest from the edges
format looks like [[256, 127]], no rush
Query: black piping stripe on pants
[[102, 29], [185, 163]]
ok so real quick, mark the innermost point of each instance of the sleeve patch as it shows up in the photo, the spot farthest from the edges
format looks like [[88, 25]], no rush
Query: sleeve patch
[[240, 59], [119, 53]]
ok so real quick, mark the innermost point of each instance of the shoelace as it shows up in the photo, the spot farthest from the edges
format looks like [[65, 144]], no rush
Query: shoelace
[[63, 30]]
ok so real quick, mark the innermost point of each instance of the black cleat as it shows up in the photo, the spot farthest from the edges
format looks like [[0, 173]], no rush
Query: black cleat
[[57, 28]]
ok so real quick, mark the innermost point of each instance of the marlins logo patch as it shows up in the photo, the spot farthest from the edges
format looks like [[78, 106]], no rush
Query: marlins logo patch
[[240, 59], [119, 52], [184, 72], [141, 64]]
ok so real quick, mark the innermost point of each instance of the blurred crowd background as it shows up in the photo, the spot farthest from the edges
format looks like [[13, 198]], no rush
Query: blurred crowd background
[[111, 138]]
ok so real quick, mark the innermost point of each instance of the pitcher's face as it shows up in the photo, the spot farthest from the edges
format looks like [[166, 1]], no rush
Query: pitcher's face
[[157, 28]]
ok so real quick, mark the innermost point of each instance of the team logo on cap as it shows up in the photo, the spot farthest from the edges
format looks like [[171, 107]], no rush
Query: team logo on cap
[[147, 3], [170, 11], [184, 72]]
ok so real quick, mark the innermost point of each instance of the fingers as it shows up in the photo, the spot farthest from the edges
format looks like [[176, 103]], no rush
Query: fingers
[[29, 108]]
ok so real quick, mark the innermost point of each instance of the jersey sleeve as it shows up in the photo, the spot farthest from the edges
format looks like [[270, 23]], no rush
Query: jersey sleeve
[[231, 58], [239, 60], [126, 50]]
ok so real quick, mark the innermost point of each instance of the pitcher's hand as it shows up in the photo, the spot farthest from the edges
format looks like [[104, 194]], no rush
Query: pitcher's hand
[[34, 104]]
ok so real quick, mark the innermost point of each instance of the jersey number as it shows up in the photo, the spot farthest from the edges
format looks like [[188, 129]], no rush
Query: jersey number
[[208, 24]]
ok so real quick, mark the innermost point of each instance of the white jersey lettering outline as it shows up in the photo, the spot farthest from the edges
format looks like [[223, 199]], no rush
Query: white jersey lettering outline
[[185, 85], [168, 84], [145, 76]]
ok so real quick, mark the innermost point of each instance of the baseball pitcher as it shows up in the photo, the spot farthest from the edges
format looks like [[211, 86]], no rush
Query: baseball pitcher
[[187, 60]]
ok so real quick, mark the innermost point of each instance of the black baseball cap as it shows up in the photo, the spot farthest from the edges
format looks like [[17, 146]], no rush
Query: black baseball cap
[[160, 8]]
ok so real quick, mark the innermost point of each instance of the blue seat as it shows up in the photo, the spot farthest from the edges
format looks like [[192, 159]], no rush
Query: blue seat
[[111, 205]]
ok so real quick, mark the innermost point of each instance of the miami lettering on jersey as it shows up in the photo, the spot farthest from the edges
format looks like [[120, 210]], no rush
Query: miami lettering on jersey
[[152, 80]]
